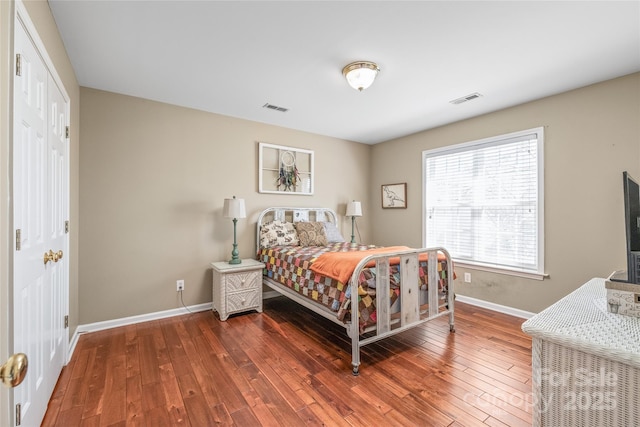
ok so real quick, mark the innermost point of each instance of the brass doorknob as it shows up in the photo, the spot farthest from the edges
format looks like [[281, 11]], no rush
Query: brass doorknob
[[14, 370], [50, 256]]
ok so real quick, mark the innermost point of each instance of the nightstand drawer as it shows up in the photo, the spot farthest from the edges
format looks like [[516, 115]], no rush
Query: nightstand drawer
[[243, 300], [243, 281]]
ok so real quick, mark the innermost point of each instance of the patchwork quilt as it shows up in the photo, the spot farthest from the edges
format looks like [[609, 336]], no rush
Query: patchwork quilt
[[290, 267]]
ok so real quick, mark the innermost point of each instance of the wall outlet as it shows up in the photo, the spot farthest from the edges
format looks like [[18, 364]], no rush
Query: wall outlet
[[179, 285], [467, 277]]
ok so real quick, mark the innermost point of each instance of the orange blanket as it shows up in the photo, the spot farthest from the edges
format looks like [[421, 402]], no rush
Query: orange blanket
[[340, 265]]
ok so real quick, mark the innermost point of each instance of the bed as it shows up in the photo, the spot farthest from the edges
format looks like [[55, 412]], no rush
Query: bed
[[323, 273]]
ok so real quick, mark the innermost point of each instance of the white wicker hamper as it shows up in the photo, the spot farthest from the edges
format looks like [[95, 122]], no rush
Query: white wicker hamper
[[585, 362]]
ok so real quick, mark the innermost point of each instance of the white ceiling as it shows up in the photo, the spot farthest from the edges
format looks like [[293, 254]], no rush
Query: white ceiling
[[232, 57]]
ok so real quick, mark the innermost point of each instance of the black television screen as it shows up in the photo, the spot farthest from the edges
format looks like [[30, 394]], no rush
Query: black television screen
[[632, 212], [632, 226]]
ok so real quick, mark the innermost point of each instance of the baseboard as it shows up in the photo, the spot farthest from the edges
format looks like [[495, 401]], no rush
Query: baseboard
[[72, 345], [108, 324], [495, 307]]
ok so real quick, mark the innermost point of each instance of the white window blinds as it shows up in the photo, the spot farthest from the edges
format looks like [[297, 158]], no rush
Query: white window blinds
[[484, 201]]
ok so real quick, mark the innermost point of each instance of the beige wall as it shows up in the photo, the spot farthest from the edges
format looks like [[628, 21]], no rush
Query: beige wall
[[591, 136], [43, 20], [154, 178]]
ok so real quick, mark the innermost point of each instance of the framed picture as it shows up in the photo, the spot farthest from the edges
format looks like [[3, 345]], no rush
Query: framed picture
[[394, 196], [285, 170]]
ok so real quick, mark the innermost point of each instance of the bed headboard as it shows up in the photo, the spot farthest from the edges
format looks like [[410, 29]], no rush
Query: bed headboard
[[290, 214]]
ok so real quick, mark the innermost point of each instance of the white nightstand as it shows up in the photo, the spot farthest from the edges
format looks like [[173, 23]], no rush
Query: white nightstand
[[237, 287]]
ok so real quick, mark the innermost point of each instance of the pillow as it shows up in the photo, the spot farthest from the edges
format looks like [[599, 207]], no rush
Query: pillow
[[311, 234], [278, 233], [332, 232]]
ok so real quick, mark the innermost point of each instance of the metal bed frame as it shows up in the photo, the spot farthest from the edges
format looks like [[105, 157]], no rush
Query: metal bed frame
[[412, 311]]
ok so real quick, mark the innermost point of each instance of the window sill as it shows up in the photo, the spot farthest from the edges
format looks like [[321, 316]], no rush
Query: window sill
[[497, 270]]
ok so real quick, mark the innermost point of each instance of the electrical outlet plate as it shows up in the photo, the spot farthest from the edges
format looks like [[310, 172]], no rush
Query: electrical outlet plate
[[179, 285], [467, 277]]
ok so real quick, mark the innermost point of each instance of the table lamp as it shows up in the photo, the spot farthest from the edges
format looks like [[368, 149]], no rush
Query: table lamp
[[354, 209], [234, 208]]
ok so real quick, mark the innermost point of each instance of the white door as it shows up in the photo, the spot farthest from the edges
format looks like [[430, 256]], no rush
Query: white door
[[57, 336], [40, 207]]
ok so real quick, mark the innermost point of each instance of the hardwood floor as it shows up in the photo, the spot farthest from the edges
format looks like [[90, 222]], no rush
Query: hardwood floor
[[291, 367]]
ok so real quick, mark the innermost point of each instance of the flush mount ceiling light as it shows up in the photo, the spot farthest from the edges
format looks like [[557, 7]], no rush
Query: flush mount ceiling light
[[360, 74]]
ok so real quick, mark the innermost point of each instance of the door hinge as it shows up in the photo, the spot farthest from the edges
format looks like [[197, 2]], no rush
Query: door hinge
[[66, 226], [66, 321], [18, 239], [18, 414], [18, 65], [67, 132]]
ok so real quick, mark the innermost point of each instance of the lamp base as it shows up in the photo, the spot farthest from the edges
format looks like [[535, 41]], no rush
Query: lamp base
[[235, 254], [353, 236]]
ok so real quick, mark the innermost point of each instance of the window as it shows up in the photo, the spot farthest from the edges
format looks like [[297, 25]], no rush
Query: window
[[484, 202]]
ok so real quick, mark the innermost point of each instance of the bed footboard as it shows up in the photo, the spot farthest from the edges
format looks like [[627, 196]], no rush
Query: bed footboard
[[413, 310]]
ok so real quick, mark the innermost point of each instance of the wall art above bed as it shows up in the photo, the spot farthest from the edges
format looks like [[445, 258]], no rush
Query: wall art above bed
[[285, 170], [394, 196]]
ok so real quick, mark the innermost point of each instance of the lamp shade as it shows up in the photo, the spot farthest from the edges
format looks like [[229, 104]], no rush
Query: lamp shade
[[360, 74], [234, 208], [354, 209]]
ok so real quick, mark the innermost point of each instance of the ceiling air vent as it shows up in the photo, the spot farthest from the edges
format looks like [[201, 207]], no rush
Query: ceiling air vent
[[466, 98], [275, 107]]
